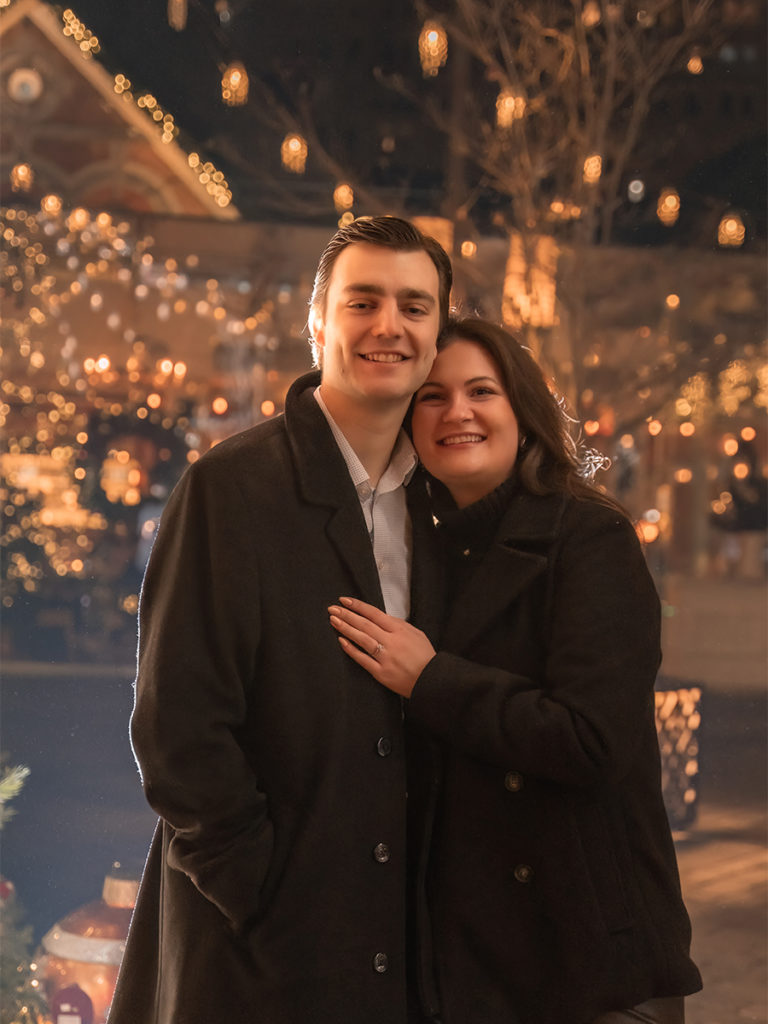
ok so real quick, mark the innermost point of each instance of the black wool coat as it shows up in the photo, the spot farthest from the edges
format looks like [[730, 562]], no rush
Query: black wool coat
[[551, 891], [274, 888]]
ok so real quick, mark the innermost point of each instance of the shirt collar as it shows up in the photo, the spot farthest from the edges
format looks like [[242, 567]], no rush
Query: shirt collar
[[400, 468]]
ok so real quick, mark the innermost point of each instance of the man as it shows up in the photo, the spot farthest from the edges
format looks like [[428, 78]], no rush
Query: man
[[274, 892]]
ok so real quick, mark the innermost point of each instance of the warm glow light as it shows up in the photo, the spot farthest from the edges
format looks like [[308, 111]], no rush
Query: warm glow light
[[220, 405], [154, 401], [103, 364], [731, 231], [166, 366], [267, 407], [343, 197], [668, 206], [293, 153], [593, 168], [509, 108], [433, 48], [591, 14], [730, 445], [649, 532], [741, 470], [179, 369], [687, 429], [683, 476], [468, 249], [654, 428], [591, 427], [234, 84], [748, 434], [22, 177], [695, 64], [51, 204], [672, 301]]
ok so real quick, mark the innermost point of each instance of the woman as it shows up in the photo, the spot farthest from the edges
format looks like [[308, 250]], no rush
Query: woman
[[547, 890]]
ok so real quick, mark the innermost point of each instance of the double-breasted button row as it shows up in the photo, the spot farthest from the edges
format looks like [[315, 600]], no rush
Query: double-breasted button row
[[381, 963], [384, 746], [513, 781], [381, 853]]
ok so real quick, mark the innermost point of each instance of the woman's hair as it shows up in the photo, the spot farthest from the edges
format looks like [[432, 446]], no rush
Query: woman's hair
[[548, 459]]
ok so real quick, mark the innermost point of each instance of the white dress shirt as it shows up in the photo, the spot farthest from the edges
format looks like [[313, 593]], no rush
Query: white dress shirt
[[386, 514]]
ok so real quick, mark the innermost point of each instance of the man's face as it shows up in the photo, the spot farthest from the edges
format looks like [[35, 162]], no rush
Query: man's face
[[380, 324]]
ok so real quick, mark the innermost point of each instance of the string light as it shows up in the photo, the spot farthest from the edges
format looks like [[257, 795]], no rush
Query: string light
[[293, 153], [433, 48], [593, 168], [234, 84], [731, 231], [510, 107], [668, 206], [22, 177], [177, 14], [343, 197]]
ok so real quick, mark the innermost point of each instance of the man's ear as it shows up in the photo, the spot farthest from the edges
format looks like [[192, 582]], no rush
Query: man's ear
[[316, 327]]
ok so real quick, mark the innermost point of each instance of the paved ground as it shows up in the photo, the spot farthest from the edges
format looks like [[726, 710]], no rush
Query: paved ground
[[82, 806]]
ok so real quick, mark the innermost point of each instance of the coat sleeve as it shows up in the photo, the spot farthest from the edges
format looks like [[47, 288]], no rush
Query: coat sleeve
[[580, 723], [198, 638]]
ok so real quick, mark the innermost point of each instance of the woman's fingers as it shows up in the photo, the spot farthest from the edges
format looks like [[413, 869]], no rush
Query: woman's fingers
[[360, 622], [368, 611], [362, 638]]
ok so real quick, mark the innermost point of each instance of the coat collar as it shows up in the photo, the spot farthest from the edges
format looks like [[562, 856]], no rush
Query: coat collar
[[517, 556], [324, 480]]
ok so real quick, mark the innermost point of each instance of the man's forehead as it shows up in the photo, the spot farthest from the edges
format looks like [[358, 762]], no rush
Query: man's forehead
[[376, 265]]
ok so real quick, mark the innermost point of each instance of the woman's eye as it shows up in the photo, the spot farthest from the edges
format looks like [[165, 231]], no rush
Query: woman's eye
[[483, 391], [428, 396]]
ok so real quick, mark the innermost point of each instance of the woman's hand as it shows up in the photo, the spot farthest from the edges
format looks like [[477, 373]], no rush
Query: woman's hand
[[392, 650]]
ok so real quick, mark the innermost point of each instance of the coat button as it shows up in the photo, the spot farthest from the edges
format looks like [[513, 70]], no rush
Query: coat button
[[513, 781], [381, 963], [523, 873], [381, 853], [384, 746]]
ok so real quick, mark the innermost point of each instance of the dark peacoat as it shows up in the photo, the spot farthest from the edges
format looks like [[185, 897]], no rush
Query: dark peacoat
[[274, 888], [551, 893]]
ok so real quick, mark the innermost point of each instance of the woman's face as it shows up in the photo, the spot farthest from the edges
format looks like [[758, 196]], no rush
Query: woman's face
[[464, 427]]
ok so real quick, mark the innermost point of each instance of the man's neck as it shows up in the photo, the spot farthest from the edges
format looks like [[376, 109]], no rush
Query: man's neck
[[370, 427]]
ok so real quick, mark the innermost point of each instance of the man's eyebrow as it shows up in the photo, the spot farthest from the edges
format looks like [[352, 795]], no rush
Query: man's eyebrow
[[376, 289]]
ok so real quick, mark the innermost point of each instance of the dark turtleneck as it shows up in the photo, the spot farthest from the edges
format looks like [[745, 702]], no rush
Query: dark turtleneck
[[467, 533]]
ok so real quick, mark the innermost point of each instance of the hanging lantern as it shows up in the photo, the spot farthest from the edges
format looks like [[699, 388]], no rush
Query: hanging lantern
[[668, 206], [433, 48], [509, 108], [593, 169], [22, 177], [731, 231], [234, 84], [343, 197], [177, 14], [293, 153]]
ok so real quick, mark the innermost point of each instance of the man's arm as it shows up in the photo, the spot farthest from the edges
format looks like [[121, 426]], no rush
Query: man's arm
[[198, 638]]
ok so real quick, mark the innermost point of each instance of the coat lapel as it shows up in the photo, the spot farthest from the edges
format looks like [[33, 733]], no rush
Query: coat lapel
[[517, 556], [324, 481]]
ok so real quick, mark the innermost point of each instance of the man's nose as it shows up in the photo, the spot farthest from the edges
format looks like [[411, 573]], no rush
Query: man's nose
[[388, 322]]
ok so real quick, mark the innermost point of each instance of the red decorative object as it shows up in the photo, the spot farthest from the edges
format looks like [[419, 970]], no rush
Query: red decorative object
[[82, 953]]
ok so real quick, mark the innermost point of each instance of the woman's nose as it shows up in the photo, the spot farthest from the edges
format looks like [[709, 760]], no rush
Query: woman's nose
[[458, 408]]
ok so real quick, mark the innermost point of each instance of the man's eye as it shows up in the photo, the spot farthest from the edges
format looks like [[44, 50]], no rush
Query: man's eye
[[415, 311]]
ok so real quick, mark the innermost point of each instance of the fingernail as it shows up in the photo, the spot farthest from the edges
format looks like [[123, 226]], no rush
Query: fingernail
[[346, 600], [335, 620], [333, 609]]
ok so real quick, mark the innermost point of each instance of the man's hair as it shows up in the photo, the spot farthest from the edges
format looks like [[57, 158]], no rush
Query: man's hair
[[389, 233]]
